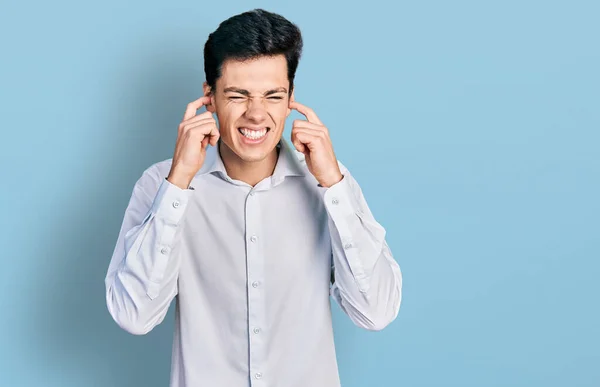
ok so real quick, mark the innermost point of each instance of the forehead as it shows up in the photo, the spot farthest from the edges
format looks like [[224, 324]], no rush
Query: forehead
[[257, 74]]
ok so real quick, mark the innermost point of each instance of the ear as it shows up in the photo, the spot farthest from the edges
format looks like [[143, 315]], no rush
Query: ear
[[292, 98], [208, 92]]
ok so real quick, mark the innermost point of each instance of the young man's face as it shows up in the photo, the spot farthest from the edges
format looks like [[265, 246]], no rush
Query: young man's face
[[251, 101]]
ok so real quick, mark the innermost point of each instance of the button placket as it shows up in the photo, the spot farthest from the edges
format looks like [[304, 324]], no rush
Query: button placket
[[254, 265]]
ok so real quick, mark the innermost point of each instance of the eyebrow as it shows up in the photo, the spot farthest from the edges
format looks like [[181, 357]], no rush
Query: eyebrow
[[247, 93]]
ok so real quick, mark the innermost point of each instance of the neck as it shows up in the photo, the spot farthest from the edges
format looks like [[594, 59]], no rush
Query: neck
[[250, 172]]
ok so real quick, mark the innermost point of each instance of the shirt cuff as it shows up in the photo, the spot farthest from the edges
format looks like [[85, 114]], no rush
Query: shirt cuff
[[344, 212], [170, 202], [340, 201]]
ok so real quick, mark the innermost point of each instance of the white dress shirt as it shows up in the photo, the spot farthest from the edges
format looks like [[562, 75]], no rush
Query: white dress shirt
[[251, 271]]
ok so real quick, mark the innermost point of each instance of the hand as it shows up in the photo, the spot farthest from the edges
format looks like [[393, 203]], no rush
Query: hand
[[312, 138], [195, 133]]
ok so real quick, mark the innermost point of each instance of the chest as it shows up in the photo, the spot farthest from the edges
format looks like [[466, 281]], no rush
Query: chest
[[237, 237]]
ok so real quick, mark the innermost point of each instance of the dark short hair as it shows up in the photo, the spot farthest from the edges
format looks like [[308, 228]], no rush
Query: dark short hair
[[250, 35]]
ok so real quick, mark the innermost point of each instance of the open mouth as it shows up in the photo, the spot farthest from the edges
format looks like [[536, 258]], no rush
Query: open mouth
[[254, 134]]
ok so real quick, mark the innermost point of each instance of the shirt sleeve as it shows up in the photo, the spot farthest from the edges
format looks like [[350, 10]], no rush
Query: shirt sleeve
[[367, 280], [142, 276]]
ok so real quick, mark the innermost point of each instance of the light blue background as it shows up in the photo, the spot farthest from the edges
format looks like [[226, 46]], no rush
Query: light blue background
[[473, 128]]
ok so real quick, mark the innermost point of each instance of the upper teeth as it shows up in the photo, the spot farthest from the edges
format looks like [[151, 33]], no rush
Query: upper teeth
[[253, 134]]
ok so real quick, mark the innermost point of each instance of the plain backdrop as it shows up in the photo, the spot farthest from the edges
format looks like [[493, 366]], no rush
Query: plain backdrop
[[473, 128]]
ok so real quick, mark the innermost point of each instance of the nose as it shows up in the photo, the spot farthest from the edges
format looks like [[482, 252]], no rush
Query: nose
[[256, 110]]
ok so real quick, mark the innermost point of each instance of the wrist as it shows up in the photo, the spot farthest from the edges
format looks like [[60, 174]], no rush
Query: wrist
[[181, 180], [332, 180]]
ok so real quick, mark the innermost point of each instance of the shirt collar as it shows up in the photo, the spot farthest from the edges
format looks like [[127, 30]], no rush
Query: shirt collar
[[288, 162]]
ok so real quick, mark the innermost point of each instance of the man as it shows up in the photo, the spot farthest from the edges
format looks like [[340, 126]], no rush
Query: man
[[247, 234]]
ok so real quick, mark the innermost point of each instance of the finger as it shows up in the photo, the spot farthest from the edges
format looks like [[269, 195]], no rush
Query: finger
[[308, 140], [214, 136], [205, 131], [187, 125], [317, 133], [193, 107], [212, 140], [297, 143], [308, 125], [299, 146], [306, 111], [199, 117]]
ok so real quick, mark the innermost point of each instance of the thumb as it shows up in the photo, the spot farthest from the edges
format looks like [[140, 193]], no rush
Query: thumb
[[298, 144]]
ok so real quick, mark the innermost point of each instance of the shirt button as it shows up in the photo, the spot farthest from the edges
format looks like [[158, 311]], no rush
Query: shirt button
[[257, 330], [164, 250], [252, 193], [253, 238], [255, 284], [176, 203], [258, 375], [335, 201]]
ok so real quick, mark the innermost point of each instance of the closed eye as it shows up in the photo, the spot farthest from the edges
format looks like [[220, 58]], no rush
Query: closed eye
[[271, 98]]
